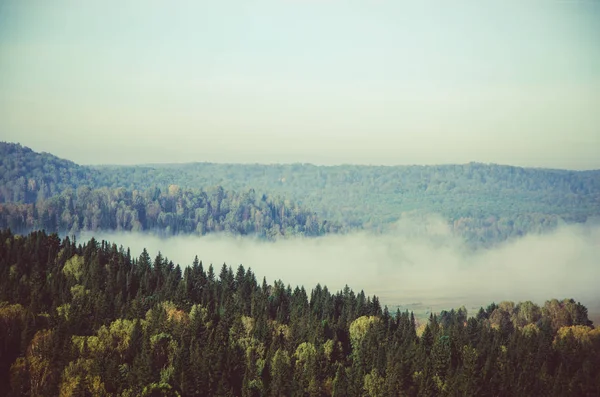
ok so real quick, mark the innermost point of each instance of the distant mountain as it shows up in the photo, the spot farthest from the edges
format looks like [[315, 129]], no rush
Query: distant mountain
[[484, 203]]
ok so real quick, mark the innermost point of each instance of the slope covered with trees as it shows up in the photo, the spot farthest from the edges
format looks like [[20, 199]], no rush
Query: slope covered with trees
[[485, 204], [453, 190], [27, 176], [41, 191], [169, 212], [91, 319]]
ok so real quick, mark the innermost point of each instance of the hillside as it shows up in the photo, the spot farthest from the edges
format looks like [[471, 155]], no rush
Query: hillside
[[169, 212], [41, 191], [110, 324], [384, 192], [483, 203], [27, 176]]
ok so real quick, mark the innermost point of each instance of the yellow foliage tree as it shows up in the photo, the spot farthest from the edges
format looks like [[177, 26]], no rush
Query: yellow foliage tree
[[581, 333], [374, 384], [360, 327], [74, 267]]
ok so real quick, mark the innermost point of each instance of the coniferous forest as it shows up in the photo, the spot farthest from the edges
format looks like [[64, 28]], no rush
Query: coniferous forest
[[90, 318], [299, 199]]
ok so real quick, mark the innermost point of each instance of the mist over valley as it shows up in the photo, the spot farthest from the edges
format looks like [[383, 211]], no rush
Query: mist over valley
[[300, 198], [419, 266]]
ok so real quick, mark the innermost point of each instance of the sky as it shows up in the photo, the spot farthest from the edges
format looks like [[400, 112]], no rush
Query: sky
[[324, 82]]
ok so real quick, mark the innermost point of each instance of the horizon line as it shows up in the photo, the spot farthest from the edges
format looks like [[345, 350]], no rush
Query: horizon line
[[300, 163]]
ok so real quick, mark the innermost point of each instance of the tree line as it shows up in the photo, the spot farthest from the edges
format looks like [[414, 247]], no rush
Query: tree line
[[169, 211], [485, 204], [90, 318]]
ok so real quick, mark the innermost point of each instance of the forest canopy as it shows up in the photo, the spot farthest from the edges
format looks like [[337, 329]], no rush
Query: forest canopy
[[91, 318], [165, 212], [483, 203]]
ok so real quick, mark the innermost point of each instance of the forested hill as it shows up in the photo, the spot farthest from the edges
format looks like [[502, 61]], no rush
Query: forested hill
[[484, 204], [93, 320], [379, 194], [165, 212], [27, 176], [41, 191]]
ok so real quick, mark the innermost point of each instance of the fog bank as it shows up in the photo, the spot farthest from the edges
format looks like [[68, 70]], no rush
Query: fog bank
[[416, 263]]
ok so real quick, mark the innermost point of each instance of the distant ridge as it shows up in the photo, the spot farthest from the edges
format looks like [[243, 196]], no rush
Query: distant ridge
[[484, 203], [10, 148]]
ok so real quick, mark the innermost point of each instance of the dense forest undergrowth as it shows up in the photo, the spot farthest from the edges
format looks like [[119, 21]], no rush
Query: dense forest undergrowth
[[90, 318]]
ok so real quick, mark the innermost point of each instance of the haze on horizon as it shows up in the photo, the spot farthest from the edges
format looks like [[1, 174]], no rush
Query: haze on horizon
[[324, 82]]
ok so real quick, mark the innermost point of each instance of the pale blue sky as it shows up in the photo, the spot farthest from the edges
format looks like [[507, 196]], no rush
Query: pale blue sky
[[327, 82]]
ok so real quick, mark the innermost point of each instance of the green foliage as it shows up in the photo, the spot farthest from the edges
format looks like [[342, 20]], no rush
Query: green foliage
[[26, 176], [106, 334], [74, 267], [374, 384], [281, 372], [483, 203], [175, 211], [359, 328]]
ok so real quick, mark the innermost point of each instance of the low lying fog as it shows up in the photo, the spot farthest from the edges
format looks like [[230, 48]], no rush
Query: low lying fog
[[419, 264]]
